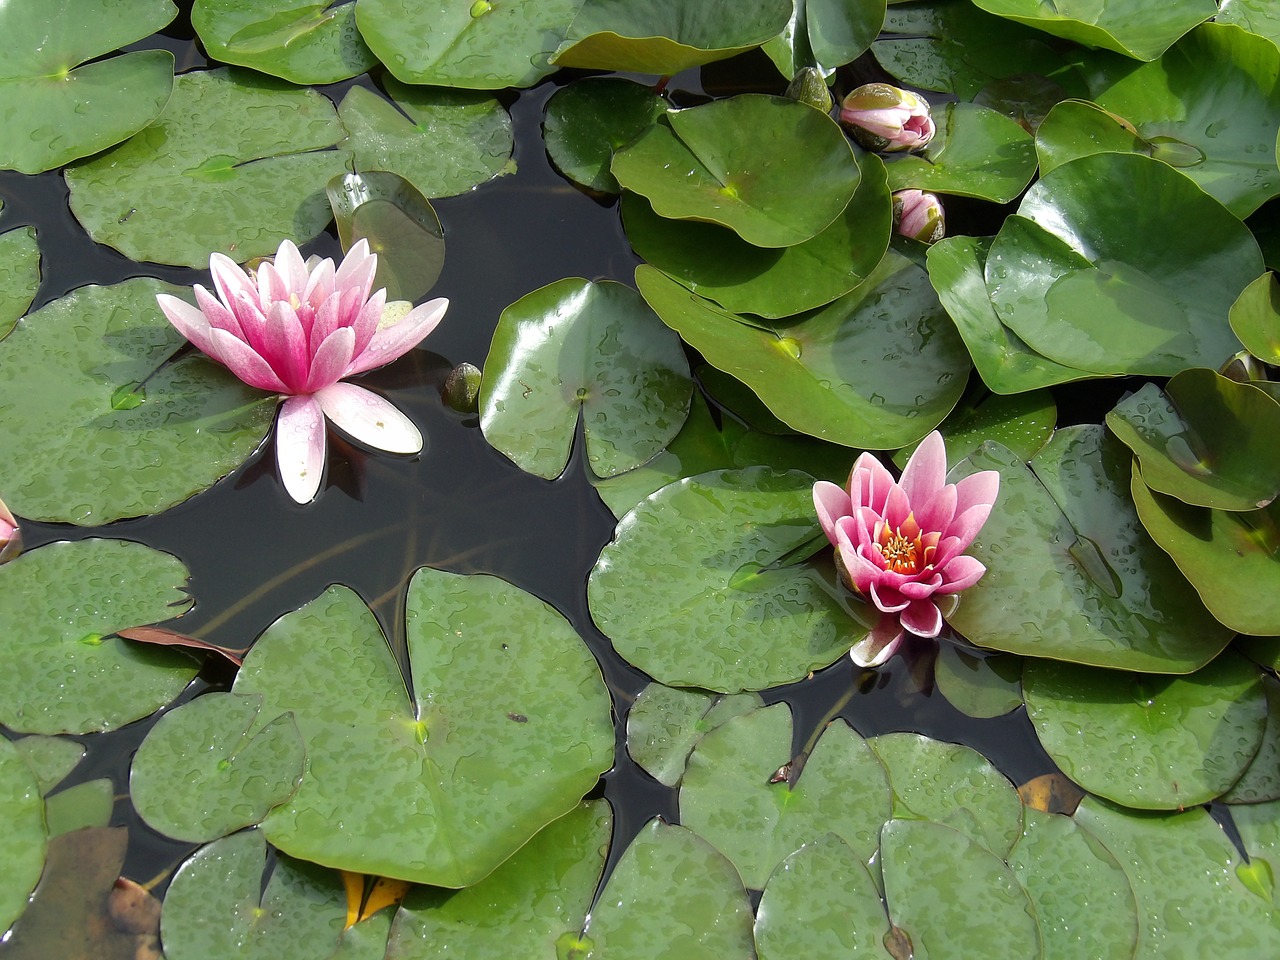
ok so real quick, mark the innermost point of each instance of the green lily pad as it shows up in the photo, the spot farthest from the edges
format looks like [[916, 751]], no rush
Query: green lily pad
[[672, 894], [444, 142], [820, 902], [1256, 16], [573, 347], [1113, 282], [51, 759], [478, 46], [978, 686], [19, 275], [302, 41], [215, 765], [96, 424], [877, 369], [825, 34], [1079, 128], [1255, 318], [1066, 538], [1023, 423], [1149, 742], [588, 120], [1264, 651], [775, 171], [233, 164], [1261, 779], [1183, 871], [665, 723], [23, 840], [539, 898], [59, 606], [56, 111], [1135, 28], [85, 805], [717, 264], [736, 796], [953, 784], [443, 787], [976, 152], [666, 36], [687, 591], [1007, 365], [1230, 558], [924, 864], [1083, 899], [957, 48], [1206, 440]]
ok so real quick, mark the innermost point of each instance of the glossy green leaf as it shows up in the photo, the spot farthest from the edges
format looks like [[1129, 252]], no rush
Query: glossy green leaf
[[1261, 779], [924, 864], [478, 46], [1149, 742], [215, 765], [1023, 423], [1256, 16], [1083, 899], [717, 264], [1264, 651], [1183, 871], [1112, 281], [1007, 365], [577, 347], [234, 164], [825, 34], [539, 898], [85, 805], [665, 723], [1206, 440], [51, 759], [1080, 128], [1255, 318], [443, 787], [877, 369], [56, 111], [775, 171], [671, 894], [820, 902], [588, 120], [976, 152], [978, 686], [1065, 538], [444, 142], [953, 784], [667, 36], [302, 41], [1230, 558], [22, 842], [1259, 827], [19, 275], [687, 590], [1132, 27], [740, 792], [69, 452], [59, 606]]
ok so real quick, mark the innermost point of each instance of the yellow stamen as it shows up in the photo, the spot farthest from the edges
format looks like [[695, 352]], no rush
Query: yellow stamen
[[899, 553]]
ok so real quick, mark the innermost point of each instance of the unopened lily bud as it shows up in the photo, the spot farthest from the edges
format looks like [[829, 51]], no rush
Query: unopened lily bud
[[10, 535], [918, 215], [883, 117], [808, 86], [1243, 367], [462, 388]]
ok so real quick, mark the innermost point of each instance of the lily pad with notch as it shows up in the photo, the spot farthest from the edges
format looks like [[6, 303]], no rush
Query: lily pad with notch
[[1255, 318], [586, 121], [23, 841], [19, 275], [665, 723], [825, 34]]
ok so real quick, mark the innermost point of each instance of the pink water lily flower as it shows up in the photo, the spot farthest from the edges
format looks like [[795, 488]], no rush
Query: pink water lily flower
[[10, 535], [902, 544], [297, 329]]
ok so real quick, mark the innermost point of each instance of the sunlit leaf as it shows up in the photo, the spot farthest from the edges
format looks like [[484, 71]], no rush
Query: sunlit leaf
[[1132, 27], [664, 724], [22, 843]]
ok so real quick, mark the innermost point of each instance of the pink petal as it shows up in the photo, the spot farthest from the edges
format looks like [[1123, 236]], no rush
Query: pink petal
[[961, 573], [878, 645], [399, 339], [923, 618], [920, 589], [936, 512], [285, 347], [321, 284], [288, 261], [328, 318], [869, 483], [245, 363], [897, 507], [229, 280], [967, 525], [831, 503], [272, 286], [926, 471], [331, 358], [300, 450], [887, 599], [188, 321], [980, 488], [357, 269], [365, 323], [369, 418], [214, 311]]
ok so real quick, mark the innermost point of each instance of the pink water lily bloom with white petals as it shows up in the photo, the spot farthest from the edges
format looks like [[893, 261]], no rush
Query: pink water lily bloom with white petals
[[901, 545], [297, 329]]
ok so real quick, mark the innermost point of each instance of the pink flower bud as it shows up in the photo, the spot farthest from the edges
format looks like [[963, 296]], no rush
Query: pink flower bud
[[918, 215], [10, 535], [883, 117]]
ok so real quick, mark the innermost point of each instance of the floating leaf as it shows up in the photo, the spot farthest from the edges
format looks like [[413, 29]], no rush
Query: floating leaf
[[51, 759], [1022, 423], [22, 842], [1132, 27], [979, 686], [233, 164], [589, 119], [1256, 16], [56, 111], [825, 34], [59, 605], [1079, 128], [19, 275], [86, 805], [1255, 318], [688, 591], [577, 346], [665, 723], [1261, 779], [71, 451]]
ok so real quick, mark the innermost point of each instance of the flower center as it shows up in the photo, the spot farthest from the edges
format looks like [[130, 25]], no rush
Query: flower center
[[899, 552]]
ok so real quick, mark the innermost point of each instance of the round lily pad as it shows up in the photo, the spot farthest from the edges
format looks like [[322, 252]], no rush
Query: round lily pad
[[588, 120], [825, 34], [1079, 128], [1255, 318], [1261, 779], [739, 792], [233, 164], [56, 111], [574, 347], [687, 590], [443, 787], [1112, 281], [1023, 423], [1149, 742], [59, 606], [19, 275], [1135, 28], [51, 759], [664, 724], [775, 171], [98, 423], [215, 765], [22, 842], [1256, 16]]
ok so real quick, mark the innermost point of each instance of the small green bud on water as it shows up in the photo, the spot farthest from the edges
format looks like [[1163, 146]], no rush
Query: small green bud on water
[[462, 389]]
